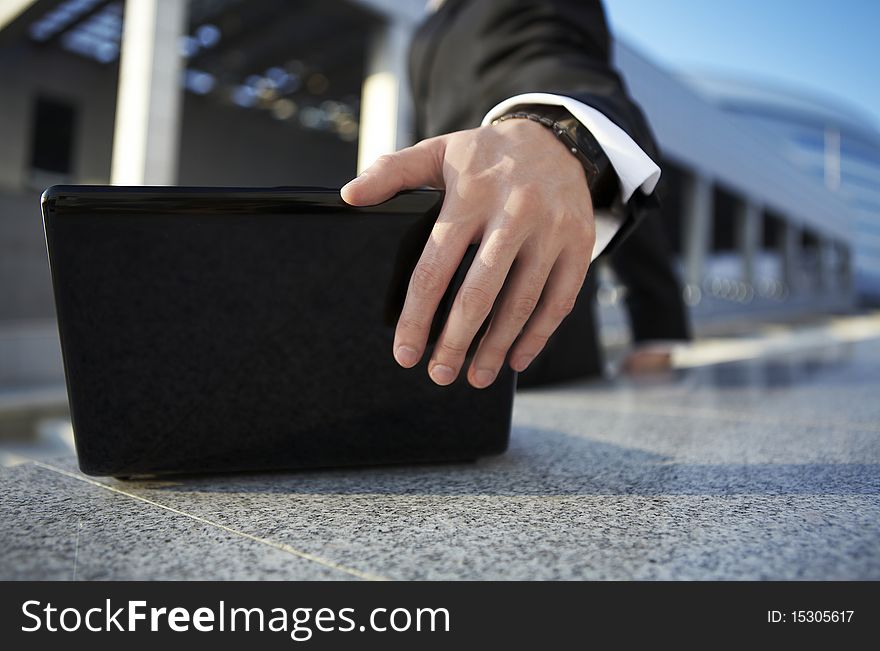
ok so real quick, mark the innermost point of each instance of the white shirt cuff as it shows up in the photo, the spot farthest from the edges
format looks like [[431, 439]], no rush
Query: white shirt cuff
[[634, 167]]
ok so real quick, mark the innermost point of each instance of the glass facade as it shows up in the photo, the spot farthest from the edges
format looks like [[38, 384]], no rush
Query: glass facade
[[838, 147]]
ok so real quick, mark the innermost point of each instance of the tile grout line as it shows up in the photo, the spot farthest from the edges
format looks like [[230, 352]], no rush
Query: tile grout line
[[76, 548], [726, 414], [367, 576]]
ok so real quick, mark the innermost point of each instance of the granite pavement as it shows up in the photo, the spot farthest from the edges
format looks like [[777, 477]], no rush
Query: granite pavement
[[759, 469]]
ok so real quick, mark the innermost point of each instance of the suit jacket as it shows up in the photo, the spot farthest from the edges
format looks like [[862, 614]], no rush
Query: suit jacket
[[472, 54]]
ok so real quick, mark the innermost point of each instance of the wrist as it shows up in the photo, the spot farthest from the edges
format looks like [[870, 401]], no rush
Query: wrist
[[601, 178], [546, 157]]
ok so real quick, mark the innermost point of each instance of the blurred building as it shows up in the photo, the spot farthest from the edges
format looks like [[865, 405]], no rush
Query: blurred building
[[219, 92], [836, 145], [272, 92], [754, 235]]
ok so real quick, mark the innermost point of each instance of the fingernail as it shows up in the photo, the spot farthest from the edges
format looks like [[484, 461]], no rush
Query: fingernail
[[483, 377], [522, 362], [406, 356], [442, 374]]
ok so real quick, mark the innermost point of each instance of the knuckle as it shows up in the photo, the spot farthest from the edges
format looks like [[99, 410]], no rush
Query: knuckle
[[504, 236], [493, 353], [533, 343], [521, 308], [427, 278], [386, 160], [475, 302], [525, 202], [539, 193], [452, 348], [563, 307], [566, 222], [531, 191], [411, 323], [540, 338], [588, 230], [493, 175]]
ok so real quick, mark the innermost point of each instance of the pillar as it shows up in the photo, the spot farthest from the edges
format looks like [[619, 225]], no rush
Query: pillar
[[698, 215], [791, 256], [149, 97], [749, 227], [386, 107]]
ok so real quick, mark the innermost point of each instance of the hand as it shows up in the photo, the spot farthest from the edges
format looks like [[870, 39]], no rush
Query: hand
[[651, 360], [518, 192]]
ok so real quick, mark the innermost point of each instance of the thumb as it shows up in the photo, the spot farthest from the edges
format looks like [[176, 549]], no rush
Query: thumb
[[413, 167]]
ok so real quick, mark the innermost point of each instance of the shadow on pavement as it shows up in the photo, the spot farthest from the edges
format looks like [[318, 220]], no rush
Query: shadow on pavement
[[544, 462]]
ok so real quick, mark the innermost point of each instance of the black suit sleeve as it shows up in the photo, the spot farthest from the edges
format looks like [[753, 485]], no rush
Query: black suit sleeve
[[554, 46], [654, 302]]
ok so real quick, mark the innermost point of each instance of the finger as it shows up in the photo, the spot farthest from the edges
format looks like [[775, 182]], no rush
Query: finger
[[518, 301], [413, 167], [472, 304], [557, 301], [438, 263]]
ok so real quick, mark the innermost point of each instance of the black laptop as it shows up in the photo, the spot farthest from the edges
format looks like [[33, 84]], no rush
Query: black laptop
[[234, 329]]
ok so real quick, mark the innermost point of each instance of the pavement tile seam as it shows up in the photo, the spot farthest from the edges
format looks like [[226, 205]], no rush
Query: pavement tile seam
[[367, 576], [124, 539], [731, 415]]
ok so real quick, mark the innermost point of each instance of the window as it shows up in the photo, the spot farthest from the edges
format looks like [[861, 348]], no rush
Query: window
[[810, 240], [726, 219], [54, 127], [773, 226]]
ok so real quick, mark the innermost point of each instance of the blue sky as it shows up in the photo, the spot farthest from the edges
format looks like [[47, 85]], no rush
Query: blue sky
[[827, 47]]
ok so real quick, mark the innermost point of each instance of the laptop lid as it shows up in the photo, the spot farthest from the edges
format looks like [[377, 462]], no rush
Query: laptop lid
[[227, 329]]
